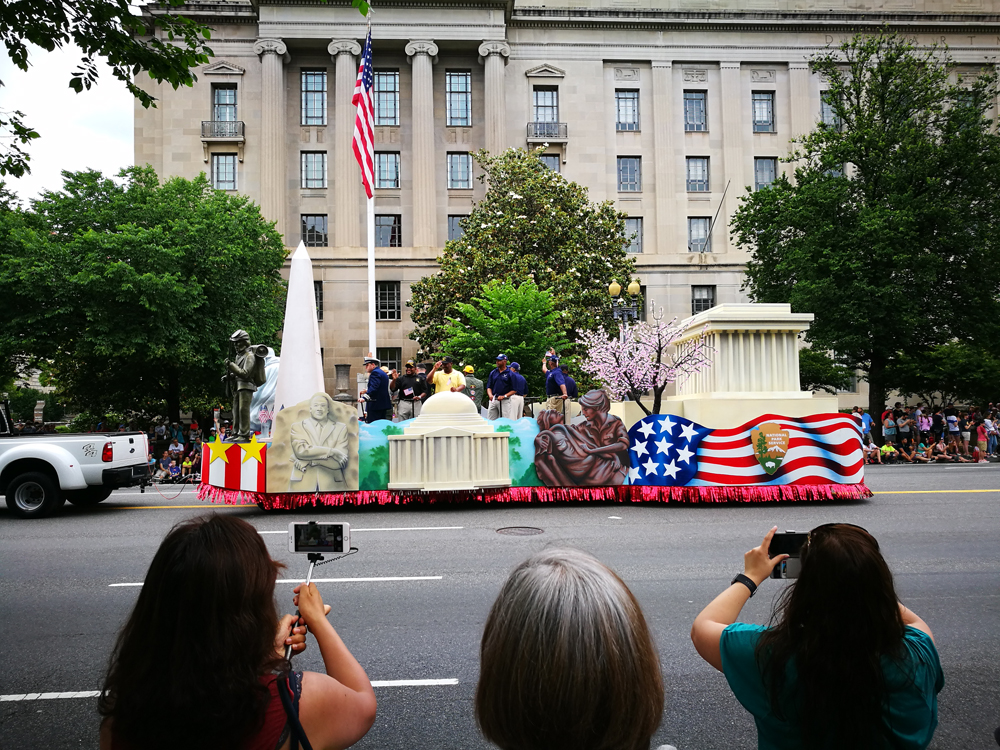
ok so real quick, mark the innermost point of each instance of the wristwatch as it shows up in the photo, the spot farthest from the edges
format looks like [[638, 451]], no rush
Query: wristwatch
[[746, 581]]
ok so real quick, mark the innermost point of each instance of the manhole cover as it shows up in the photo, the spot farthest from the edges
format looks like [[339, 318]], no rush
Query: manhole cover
[[520, 531]]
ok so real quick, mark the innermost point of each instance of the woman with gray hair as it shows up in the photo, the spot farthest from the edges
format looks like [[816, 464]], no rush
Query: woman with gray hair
[[567, 660]]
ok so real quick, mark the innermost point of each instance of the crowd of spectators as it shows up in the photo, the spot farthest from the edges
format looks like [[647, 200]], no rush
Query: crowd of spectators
[[178, 445], [931, 434]]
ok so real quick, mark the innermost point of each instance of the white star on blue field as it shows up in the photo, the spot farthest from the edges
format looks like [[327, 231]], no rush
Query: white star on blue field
[[663, 450]]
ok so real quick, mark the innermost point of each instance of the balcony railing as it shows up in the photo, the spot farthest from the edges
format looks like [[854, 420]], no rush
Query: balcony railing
[[222, 129], [547, 131]]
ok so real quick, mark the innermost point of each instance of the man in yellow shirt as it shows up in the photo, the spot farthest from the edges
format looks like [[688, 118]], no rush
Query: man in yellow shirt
[[446, 378]]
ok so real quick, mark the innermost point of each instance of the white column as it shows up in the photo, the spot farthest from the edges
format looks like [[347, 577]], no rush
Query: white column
[[800, 102], [422, 55], [346, 172], [273, 54], [733, 127], [494, 55], [668, 206]]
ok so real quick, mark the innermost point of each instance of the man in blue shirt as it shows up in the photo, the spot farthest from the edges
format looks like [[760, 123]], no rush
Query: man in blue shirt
[[377, 395], [555, 386], [520, 390], [570, 383], [499, 389], [866, 421]]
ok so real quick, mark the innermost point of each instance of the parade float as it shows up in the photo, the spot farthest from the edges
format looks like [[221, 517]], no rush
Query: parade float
[[738, 431]]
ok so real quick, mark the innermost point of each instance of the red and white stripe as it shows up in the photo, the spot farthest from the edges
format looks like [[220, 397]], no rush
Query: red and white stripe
[[364, 123], [822, 449], [235, 474]]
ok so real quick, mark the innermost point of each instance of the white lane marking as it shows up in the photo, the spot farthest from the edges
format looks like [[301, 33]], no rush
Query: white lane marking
[[96, 693], [615, 518], [327, 580], [401, 528]]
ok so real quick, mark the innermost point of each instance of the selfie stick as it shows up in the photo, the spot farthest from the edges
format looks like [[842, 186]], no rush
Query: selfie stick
[[314, 557]]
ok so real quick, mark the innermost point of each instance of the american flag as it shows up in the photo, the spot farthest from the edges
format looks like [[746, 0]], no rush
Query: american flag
[[670, 451], [364, 123], [266, 415]]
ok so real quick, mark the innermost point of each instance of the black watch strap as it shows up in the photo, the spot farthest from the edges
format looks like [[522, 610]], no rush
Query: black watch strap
[[746, 581]]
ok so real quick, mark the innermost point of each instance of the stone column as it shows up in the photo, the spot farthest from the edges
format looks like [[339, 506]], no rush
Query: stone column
[[665, 161], [734, 126], [422, 55], [494, 55], [273, 188], [800, 102], [347, 190]]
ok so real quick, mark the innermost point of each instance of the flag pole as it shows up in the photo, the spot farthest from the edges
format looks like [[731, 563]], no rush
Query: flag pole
[[371, 247]]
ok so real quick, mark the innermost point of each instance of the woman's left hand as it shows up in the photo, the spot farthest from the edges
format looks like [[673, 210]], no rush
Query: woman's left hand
[[297, 640], [757, 565]]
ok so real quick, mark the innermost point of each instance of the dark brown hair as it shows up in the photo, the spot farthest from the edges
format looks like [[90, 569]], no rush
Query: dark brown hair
[[836, 622], [186, 668], [567, 660]]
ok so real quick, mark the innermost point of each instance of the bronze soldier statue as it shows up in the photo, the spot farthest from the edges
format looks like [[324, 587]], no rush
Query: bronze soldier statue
[[243, 375]]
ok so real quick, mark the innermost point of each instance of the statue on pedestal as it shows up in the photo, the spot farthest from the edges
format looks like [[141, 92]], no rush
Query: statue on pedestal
[[244, 374]]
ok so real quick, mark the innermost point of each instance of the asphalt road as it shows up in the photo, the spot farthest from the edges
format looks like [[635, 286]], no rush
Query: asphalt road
[[938, 526]]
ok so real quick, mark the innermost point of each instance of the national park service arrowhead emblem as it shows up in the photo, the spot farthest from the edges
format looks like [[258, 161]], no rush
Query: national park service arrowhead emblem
[[770, 444]]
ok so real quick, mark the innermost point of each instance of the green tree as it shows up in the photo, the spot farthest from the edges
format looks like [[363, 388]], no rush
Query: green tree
[[130, 290], [889, 232], [820, 372], [534, 225], [953, 372], [23, 400], [520, 321]]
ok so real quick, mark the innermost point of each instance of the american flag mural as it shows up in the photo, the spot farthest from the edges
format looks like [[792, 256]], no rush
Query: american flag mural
[[364, 123], [669, 451]]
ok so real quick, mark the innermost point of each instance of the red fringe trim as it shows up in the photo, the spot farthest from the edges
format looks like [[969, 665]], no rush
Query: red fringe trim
[[784, 493]]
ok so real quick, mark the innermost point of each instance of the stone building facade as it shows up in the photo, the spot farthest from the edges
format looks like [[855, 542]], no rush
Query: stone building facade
[[670, 108]]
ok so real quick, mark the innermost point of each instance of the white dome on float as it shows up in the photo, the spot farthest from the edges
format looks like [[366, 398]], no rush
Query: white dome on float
[[448, 409]]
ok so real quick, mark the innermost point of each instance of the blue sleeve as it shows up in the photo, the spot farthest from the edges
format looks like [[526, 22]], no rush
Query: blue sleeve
[[925, 656], [373, 382], [738, 648], [558, 377]]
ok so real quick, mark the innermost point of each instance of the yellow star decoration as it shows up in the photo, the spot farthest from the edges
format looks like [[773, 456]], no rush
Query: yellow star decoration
[[253, 449], [218, 450]]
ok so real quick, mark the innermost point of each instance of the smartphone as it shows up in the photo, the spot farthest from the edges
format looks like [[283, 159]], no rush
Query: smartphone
[[787, 543], [321, 538]]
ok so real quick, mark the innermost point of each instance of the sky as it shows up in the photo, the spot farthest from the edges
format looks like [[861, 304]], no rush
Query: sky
[[90, 130]]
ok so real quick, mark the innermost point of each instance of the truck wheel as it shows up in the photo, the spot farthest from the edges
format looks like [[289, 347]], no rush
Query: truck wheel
[[34, 495], [89, 497]]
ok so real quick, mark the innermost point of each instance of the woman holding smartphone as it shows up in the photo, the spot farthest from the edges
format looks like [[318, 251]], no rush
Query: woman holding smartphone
[[200, 661], [842, 665]]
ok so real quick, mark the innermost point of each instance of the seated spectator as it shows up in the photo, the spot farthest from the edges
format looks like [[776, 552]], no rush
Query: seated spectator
[[200, 660], [889, 454], [175, 471], [907, 451], [872, 455], [940, 452], [923, 453], [567, 660], [843, 665], [175, 449], [186, 465], [164, 471], [151, 465]]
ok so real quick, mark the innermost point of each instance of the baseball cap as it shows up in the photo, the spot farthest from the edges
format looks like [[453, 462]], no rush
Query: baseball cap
[[553, 358], [410, 363], [515, 366], [447, 360], [470, 369], [501, 356]]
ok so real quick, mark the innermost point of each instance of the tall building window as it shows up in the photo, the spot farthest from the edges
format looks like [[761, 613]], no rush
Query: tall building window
[[224, 102], [763, 111], [460, 171], [702, 298], [388, 301], [698, 239], [827, 115], [390, 356], [765, 171], [387, 169], [458, 96], [314, 97], [551, 161], [224, 171], [627, 105], [386, 97], [629, 174], [643, 304], [388, 230], [318, 293], [546, 101], [314, 230], [455, 226], [697, 174], [633, 233], [314, 169], [695, 111]]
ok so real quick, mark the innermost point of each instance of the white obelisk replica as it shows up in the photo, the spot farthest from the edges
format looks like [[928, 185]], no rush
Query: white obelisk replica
[[301, 371]]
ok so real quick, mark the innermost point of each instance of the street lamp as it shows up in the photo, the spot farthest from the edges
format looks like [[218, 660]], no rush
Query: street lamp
[[624, 309]]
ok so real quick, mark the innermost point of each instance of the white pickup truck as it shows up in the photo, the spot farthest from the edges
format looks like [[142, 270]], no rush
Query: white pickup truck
[[38, 473]]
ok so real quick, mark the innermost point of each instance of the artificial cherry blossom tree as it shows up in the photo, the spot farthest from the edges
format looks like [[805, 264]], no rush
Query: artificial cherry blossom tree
[[642, 358]]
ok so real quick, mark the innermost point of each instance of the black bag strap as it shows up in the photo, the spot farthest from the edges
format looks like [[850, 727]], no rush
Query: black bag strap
[[290, 701]]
